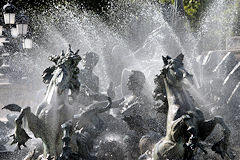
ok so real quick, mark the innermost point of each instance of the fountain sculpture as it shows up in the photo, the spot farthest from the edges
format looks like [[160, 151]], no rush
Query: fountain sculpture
[[186, 125], [74, 120], [55, 109]]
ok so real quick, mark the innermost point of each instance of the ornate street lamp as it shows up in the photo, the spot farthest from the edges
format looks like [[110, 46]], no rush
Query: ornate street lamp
[[14, 28], [9, 13], [14, 35], [22, 24]]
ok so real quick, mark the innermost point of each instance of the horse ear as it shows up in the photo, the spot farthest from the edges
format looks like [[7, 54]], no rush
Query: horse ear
[[180, 57], [165, 61]]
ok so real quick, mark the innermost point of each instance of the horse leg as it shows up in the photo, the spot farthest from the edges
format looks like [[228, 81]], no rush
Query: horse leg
[[186, 122], [47, 98], [36, 125], [206, 128], [20, 136], [41, 130], [168, 148]]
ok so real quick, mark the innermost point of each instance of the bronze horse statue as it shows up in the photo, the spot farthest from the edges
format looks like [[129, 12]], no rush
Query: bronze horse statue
[[186, 125], [55, 108]]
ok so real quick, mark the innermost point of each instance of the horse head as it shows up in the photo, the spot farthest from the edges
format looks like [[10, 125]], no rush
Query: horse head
[[175, 73], [60, 78]]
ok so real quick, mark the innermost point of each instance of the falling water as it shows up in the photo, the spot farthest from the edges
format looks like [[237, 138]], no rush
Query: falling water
[[135, 40]]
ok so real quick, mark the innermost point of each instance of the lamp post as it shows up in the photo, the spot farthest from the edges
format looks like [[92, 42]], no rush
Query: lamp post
[[14, 35], [13, 29]]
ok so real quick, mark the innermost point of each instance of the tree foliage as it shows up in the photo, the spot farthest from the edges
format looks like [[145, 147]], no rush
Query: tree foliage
[[193, 9]]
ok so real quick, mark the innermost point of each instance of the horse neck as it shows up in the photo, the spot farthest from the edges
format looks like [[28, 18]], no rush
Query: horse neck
[[179, 102], [65, 67], [62, 98], [57, 99]]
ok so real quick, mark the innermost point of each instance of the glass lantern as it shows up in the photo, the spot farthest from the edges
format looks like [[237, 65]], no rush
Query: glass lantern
[[22, 24], [27, 43], [9, 12]]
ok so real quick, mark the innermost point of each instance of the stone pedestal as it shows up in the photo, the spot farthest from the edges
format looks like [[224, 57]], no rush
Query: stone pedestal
[[233, 45], [220, 73]]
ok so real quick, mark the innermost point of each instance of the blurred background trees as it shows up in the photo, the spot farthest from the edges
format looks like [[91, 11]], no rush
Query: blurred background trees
[[194, 11], [193, 8]]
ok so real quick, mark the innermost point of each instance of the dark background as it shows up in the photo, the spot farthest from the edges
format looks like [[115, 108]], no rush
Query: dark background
[[194, 10]]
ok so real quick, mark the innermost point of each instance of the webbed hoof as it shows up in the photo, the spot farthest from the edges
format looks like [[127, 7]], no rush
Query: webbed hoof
[[20, 137]]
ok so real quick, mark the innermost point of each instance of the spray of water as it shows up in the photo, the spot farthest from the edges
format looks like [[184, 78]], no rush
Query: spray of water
[[135, 37]]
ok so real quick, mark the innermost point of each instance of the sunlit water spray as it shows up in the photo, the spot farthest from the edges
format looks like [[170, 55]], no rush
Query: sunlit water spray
[[133, 23]]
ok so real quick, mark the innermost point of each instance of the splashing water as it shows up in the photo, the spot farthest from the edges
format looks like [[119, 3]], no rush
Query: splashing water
[[135, 38]]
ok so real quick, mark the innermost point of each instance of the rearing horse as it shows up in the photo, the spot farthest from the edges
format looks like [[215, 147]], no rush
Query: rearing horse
[[61, 78], [46, 124], [186, 125]]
